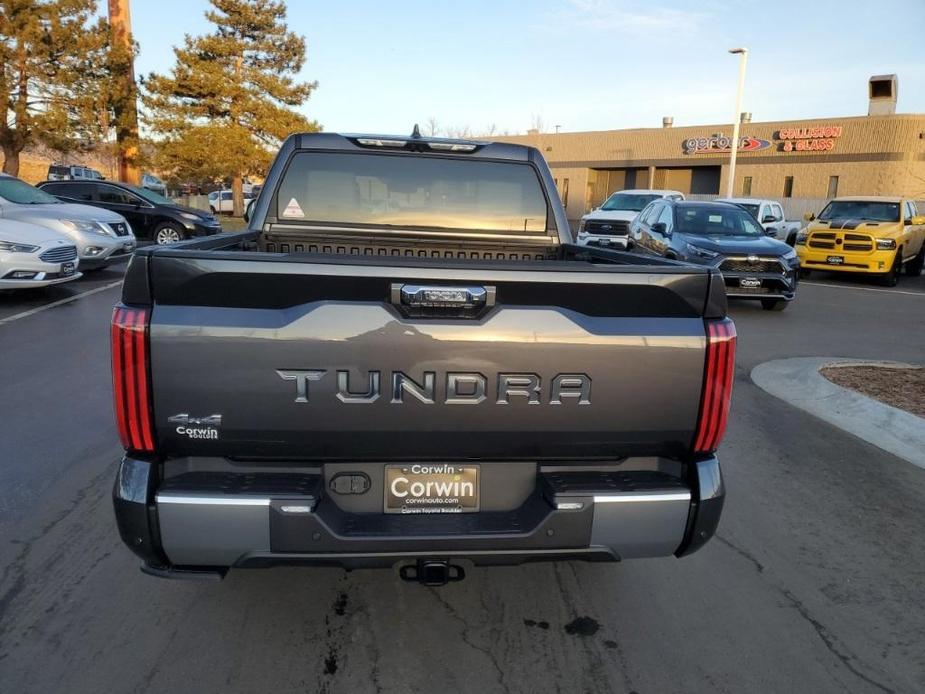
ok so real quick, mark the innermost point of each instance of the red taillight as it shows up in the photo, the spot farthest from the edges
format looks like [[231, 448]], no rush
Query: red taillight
[[130, 388], [717, 385]]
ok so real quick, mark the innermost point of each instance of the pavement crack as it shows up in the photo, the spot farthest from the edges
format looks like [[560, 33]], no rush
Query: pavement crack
[[15, 571], [831, 642], [827, 638], [745, 554], [487, 652], [157, 663]]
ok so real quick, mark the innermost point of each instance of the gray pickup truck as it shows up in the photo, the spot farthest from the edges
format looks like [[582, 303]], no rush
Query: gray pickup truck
[[404, 362]]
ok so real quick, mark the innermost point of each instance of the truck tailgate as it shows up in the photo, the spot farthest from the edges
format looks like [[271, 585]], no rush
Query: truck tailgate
[[310, 357]]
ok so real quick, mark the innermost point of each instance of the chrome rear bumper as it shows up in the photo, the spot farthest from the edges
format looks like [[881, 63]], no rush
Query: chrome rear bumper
[[193, 523]]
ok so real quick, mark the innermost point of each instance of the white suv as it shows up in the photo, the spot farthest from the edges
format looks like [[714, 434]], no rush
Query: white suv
[[223, 201], [609, 224]]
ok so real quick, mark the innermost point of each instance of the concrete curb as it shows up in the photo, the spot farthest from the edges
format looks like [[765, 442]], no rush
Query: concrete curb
[[798, 382]]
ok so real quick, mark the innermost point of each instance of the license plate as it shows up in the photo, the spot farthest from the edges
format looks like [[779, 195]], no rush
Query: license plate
[[834, 260], [67, 269], [750, 282], [431, 488]]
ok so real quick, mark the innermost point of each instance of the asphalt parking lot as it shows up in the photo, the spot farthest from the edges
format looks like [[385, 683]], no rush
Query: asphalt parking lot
[[814, 583]]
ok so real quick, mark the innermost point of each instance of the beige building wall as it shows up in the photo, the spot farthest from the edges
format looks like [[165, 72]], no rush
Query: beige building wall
[[854, 178], [874, 155]]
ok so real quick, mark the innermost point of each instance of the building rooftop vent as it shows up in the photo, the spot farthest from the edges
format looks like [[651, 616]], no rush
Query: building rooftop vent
[[882, 90], [667, 121], [746, 117]]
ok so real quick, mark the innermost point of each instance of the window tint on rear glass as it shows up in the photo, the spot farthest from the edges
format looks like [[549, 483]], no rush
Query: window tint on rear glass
[[398, 190]]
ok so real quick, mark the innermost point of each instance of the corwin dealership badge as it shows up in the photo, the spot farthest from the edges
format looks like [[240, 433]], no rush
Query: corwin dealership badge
[[197, 427]]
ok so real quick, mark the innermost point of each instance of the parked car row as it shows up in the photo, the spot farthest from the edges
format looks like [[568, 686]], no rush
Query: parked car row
[[99, 235], [48, 231], [151, 215], [735, 235], [76, 172], [760, 253]]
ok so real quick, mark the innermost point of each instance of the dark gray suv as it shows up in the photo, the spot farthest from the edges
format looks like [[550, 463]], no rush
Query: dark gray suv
[[723, 236]]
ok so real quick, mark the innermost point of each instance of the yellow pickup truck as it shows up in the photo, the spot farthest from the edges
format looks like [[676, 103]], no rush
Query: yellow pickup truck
[[874, 235]]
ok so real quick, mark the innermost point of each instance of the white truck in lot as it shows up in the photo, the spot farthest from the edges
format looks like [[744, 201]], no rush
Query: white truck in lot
[[770, 215], [609, 224]]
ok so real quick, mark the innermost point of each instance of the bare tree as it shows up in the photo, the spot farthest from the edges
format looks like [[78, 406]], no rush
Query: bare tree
[[536, 122], [459, 132], [433, 126], [490, 131]]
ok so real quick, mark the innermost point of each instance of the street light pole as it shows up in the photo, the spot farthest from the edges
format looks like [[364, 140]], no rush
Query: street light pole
[[734, 149]]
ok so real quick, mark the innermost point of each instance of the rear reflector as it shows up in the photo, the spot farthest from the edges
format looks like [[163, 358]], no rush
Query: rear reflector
[[717, 385], [130, 384]]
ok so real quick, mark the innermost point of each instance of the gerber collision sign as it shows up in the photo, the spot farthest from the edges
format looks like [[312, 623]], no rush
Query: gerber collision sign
[[718, 144], [816, 139]]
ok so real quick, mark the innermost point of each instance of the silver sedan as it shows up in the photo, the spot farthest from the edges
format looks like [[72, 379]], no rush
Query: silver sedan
[[101, 236], [33, 256]]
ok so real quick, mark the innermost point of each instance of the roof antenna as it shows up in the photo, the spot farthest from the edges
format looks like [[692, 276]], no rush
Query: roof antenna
[[416, 133]]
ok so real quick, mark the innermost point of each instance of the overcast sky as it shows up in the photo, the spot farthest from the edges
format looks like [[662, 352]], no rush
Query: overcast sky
[[581, 64]]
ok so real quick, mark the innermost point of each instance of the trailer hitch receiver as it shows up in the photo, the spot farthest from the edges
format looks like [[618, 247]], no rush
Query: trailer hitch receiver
[[432, 572]]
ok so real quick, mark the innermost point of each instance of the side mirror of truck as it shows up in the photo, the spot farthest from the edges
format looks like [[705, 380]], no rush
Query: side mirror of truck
[[768, 219], [660, 228], [808, 217], [247, 210]]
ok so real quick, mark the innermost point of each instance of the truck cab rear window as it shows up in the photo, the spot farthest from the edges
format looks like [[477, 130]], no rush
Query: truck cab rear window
[[417, 192]]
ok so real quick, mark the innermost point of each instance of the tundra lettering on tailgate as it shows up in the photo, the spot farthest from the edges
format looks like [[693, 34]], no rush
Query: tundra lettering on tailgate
[[461, 387]]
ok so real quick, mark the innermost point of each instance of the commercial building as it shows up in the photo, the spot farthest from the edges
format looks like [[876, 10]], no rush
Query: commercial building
[[882, 153]]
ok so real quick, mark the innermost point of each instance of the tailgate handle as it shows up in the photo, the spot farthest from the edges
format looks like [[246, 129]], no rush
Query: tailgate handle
[[439, 296]]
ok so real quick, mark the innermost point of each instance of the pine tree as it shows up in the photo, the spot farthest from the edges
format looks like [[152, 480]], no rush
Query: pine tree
[[49, 76], [231, 96]]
